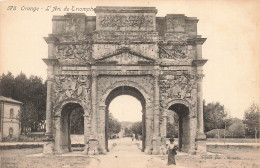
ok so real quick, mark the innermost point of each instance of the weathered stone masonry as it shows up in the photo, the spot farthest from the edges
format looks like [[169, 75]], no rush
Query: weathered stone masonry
[[124, 50]]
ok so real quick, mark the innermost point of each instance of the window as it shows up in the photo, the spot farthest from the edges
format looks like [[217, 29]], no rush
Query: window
[[11, 113]]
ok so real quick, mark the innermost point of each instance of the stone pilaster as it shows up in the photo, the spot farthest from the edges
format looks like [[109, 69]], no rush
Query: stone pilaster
[[93, 147], [94, 105], [58, 143], [101, 128], [49, 101], [149, 128], [163, 131], [87, 128], [156, 139]]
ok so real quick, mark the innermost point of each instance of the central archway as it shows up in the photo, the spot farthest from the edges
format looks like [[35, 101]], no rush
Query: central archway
[[131, 91]]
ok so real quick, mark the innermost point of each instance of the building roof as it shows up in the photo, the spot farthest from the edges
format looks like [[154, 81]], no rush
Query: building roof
[[6, 99]]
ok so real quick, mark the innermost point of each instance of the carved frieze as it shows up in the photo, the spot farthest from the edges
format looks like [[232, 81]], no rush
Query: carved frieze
[[125, 37], [176, 36], [74, 37], [71, 87], [118, 21], [81, 52], [178, 51]]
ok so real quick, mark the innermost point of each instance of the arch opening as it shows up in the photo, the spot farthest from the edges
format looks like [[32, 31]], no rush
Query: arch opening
[[71, 121], [178, 125], [130, 91]]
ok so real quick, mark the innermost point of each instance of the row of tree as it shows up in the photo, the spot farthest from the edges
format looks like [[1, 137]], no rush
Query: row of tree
[[216, 117], [31, 91]]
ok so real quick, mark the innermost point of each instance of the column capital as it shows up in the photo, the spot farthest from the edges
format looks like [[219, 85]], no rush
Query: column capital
[[197, 40], [94, 74], [199, 77], [50, 78], [199, 62], [51, 39], [51, 61]]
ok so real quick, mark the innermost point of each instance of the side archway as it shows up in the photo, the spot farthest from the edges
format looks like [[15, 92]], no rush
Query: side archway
[[62, 124], [181, 108]]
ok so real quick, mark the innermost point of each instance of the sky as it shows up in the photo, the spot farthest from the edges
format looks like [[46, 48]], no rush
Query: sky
[[232, 47]]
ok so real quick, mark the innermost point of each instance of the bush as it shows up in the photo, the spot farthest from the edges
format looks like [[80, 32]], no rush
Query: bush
[[237, 129], [215, 132]]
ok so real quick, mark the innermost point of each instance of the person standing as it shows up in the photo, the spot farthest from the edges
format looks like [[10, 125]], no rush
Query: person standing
[[172, 148]]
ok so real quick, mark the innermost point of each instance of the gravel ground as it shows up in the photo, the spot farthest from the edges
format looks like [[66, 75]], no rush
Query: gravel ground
[[125, 154]]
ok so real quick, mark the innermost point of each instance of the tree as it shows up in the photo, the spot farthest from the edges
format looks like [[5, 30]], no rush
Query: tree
[[7, 84], [28, 116], [236, 129], [31, 92], [114, 127], [128, 132], [136, 128], [77, 121], [170, 130], [251, 120], [214, 116]]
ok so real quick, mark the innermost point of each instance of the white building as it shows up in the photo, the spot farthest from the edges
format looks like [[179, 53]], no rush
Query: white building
[[9, 118]]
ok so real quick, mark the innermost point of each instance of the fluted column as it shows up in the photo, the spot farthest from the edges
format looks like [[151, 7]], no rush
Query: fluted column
[[156, 141], [94, 105], [198, 63], [149, 127], [164, 124], [51, 62], [49, 101], [101, 128], [87, 131], [156, 105], [200, 121]]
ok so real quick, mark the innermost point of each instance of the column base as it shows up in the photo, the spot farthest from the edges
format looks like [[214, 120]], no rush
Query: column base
[[148, 150], [49, 145], [163, 150], [156, 145], [93, 148], [201, 146], [201, 136], [48, 148]]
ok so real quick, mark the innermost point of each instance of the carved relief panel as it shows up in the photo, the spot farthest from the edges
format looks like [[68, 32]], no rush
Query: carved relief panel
[[70, 54], [66, 87], [177, 51], [125, 22], [179, 85]]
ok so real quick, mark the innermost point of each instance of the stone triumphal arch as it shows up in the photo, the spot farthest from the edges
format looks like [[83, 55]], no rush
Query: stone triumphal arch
[[125, 51]]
